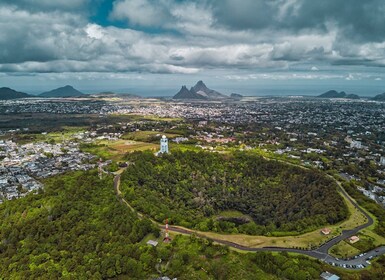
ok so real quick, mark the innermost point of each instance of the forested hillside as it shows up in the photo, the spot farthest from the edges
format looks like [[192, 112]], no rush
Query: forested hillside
[[192, 189], [77, 229]]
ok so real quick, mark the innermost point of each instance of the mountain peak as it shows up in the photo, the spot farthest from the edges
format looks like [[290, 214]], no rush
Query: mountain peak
[[66, 91], [8, 93], [184, 93], [200, 83], [379, 97], [199, 91], [336, 94]]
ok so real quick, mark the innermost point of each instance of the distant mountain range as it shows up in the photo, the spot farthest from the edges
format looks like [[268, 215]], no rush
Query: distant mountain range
[[199, 92], [335, 94], [66, 91], [8, 93]]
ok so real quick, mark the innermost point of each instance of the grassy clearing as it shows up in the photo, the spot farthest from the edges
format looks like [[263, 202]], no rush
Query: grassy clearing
[[344, 250], [146, 136], [55, 137], [231, 214], [116, 150]]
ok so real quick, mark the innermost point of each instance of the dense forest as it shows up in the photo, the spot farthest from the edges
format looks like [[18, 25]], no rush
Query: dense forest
[[193, 188], [77, 229]]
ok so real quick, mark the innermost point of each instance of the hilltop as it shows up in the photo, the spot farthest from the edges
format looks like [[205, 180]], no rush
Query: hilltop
[[379, 97], [336, 94], [66, 91], [199, 91], [8, 93]]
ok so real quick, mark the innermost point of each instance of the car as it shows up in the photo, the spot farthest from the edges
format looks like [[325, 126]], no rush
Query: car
[[368, 262]]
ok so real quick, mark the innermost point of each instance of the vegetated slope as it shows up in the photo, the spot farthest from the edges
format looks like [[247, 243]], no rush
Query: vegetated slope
[[8, 93], [379, 97], [192, 188], [335, 94], [66, 91], [77, 229]]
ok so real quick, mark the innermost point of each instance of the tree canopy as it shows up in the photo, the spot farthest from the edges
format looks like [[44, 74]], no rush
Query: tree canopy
[[193, 188]]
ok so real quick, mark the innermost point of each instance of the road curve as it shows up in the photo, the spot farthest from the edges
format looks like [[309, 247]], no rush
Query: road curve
[[321, 253]]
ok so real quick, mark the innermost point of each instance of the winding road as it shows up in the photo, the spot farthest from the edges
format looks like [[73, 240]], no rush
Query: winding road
[[321, 253]]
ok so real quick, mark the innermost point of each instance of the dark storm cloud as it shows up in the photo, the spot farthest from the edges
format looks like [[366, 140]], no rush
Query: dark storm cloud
[[358, 20], [49, 5], [173, 36]]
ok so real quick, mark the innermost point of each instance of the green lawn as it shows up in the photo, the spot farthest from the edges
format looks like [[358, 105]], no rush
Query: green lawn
[[146, 136]]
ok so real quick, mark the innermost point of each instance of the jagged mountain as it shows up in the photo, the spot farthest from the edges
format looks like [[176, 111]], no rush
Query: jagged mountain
[[66, 91], [379, 97], [199, 91], [336, 94], [236, 96], [184, 93], [8, 93]]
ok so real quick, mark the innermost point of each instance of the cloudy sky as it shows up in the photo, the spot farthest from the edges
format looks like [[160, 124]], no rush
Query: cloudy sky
[[152, 47]]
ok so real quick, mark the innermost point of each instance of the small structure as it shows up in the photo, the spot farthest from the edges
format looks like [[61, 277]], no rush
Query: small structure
[[152, 243], [329, 276], [382, 160], [326, 231], [100, 168], [354, 239], [166, 238], [163, 145], [356, 144]]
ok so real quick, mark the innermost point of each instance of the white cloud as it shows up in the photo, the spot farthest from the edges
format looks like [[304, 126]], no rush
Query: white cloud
[[56, 40], [140, 12]]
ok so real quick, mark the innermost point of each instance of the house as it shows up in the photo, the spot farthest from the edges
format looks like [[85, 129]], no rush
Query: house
[[328, 276], [354, 239], [152, 243], [326, 231]]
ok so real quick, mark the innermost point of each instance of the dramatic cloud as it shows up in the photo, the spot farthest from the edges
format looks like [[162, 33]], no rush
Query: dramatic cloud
[[190, 37]]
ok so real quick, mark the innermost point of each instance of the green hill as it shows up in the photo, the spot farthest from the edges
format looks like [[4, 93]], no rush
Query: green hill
[[379, 97], [66, 91], [77, 229], [8, 93], [192, 189]]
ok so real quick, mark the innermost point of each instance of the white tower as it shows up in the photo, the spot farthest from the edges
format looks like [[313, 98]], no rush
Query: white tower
[[382, 161], [163, 145]]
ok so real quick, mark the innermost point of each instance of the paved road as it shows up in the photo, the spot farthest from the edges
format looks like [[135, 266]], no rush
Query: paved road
[[320, 253]]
